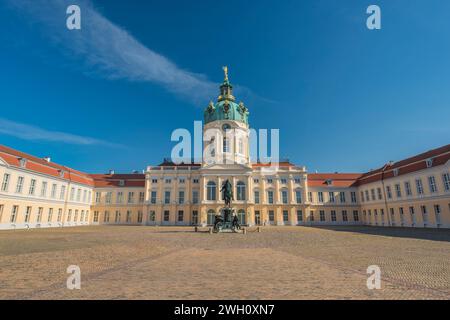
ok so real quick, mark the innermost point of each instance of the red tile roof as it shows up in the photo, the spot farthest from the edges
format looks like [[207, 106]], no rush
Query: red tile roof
[[339, 180], [439, 156], [12, 157], [113, 180]]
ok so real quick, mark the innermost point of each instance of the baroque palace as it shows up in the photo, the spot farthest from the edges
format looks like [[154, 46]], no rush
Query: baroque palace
[[36, 192]]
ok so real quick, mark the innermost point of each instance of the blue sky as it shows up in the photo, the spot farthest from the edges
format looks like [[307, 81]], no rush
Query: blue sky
[[345, 98]]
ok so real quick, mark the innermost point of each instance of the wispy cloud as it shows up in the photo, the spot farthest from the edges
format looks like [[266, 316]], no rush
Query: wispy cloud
[[29, 132], [110, 51]]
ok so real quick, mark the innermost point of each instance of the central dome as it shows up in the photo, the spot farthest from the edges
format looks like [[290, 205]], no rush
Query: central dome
[[226, 108]]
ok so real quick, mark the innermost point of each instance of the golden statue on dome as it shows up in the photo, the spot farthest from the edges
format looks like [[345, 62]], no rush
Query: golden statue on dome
[[225, 71]]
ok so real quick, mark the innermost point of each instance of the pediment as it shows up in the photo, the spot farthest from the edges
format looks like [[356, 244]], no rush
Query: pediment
[[226, 167]]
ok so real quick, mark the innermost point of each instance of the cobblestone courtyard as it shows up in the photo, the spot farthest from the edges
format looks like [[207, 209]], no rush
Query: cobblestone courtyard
[[128, 262]]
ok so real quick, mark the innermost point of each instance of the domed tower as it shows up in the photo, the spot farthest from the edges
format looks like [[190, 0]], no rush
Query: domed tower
[[226, 129]]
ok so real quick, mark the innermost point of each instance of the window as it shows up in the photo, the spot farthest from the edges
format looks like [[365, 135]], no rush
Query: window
[[331, 197], [153, 197], [269, 180], [50, 215], [27, 214], [342, 196], [108, 197], [15, 210], [283, 180], [437, 213], [106, 217], [320, 196], [271, 216], [95, 216], [429, 163], [344, 215], [311, 215], [355, 215], [402, 216], [446, 180], [53, 192], [182, 180], [310, 196], [432, 183], [195, 217], [166, 215], [5, 182], [181, 197], [167, 197], [139, 217], [180, 215], [241, 146], [353, 196], [59, 215], [151, 216], [285, 216], [131, 197], [419, 186], [284, 196], [392, 216], [1, 211], [168, 181], [389, 192], [256, 193], [270, 197], [322, 215], [297, 180], [408, 189], [195, 197], [333, 215], [255, 180], [372, 193], [62, 193], [84, 195], [117, 217], [380, 196], [398, 190], [19, 185], [413, 217], [97, 196], [72, 192], [298, 196], [367, 195], [32, 187], [41, 210], [423, 209], [119, 198], [362, 196], [240, 190], [154, 180], [128, 216], [299, 216], [195, 180], [79, 195], [226, 145], [211, 191]]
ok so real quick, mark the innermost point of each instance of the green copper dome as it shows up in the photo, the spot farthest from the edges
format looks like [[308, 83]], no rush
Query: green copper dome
[[226, 108]]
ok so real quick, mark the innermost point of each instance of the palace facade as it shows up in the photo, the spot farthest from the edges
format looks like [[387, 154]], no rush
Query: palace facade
[[36, 192]]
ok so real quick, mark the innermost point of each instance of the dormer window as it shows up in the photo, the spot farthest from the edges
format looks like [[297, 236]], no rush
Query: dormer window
[[429, 163], [22, 162], [328, 182], [61, 173], [121, 183], [395, 172]]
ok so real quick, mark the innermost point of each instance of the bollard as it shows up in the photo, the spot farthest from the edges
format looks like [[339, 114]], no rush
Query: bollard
[[259, 229], [210, 230], [196, 229], [245, 230]]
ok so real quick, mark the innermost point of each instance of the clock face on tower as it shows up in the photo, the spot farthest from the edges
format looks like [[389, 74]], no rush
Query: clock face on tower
[[226, 127]]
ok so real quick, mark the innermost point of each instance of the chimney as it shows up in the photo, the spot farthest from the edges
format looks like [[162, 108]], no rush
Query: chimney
[[48, 159]]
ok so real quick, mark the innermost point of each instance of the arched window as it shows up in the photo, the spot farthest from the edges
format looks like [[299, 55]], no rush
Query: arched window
[[240, 194], [241, 217], [210, 217], [241, 146], [211, 190], [226, 145]]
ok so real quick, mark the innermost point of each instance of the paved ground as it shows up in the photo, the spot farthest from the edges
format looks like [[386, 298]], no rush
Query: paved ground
[[122, 262]]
